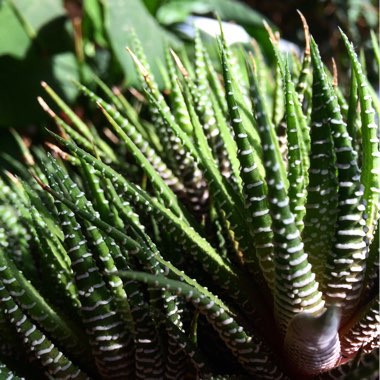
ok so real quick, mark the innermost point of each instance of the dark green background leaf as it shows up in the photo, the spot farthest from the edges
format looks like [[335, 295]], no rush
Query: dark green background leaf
[[121, 17], [35, 45], [14, 39]]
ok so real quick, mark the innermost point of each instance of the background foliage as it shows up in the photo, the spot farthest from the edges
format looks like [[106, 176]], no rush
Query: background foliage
[[54, 40]]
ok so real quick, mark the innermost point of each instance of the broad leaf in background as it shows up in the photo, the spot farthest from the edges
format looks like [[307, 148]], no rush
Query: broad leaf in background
[[16, 45], [21, 19], [177, 11], [121, 18], [93, 22], [35, 45]]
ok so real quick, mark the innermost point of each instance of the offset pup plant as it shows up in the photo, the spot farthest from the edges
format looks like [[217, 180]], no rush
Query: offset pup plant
[[227, 229]]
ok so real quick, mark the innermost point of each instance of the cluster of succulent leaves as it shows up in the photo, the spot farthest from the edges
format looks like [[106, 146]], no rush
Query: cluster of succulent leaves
[[224, 229]]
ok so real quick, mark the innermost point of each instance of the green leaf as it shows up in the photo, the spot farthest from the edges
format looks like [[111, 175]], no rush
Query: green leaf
[[36, 307], [120, 20], [176, 11], [20, 21], [370, 176], [297, 157], [36, 342], [97, 313], [234, 336], [295, 288], [6, 373], [132, 133], [35, 54], [321, 205], [253, 187], [93, 22], [18, 44], [344, 271]]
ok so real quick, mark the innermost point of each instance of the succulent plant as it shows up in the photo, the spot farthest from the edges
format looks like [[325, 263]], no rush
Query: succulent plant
[[226, 229]]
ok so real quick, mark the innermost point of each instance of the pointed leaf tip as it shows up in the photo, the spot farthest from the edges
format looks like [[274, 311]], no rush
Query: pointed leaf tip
[[45, 107], [335, 73], [306, 31], [274, 39], [179, 64], [140, 66]]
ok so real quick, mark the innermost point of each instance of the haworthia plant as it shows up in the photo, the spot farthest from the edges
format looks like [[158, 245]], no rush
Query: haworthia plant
[[207, 233]]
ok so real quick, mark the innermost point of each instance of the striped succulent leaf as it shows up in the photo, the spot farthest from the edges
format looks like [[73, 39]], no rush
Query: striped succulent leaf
[[345, 265], [241, 344], [370, 176], [366, 366]]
